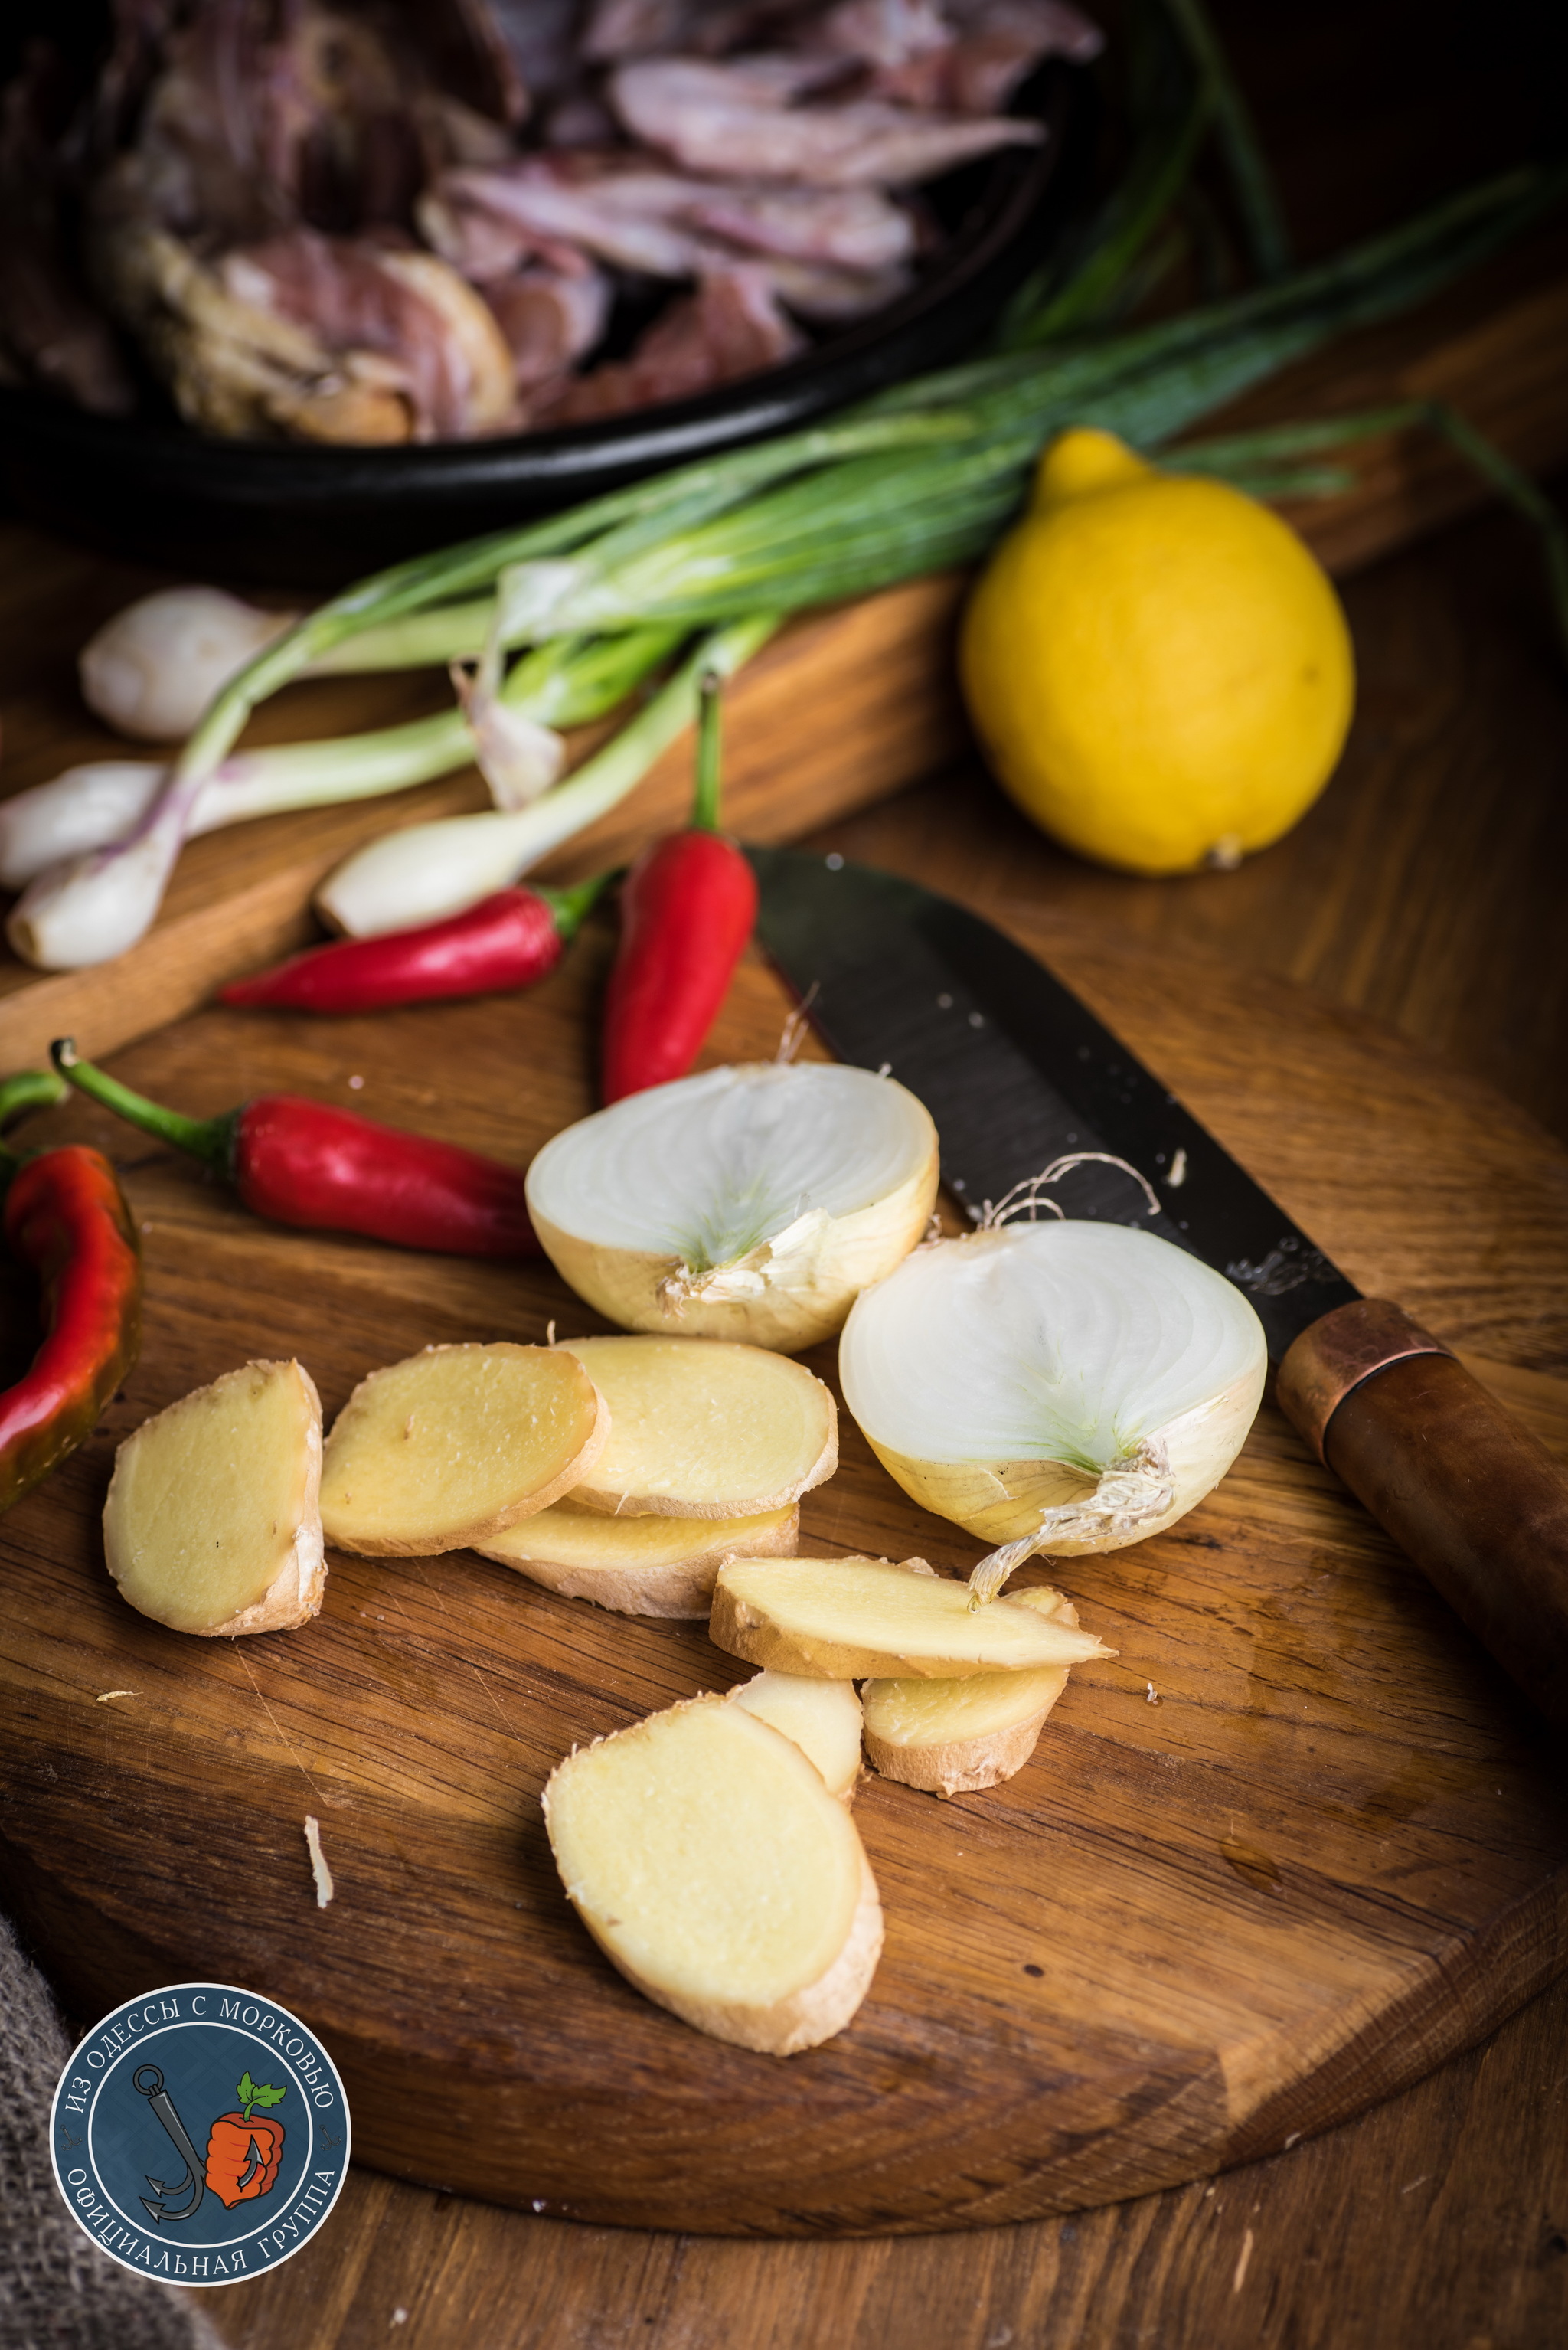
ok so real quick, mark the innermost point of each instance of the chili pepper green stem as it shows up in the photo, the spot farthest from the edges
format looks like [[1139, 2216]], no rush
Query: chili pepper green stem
[[30, 1089], [210, 1139], [568, 907], [705, 804]]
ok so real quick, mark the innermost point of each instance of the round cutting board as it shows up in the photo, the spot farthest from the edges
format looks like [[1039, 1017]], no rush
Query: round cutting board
[[1295, 1844]]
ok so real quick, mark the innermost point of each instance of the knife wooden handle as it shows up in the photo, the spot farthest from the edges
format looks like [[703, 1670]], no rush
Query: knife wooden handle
[[1464, 1489]]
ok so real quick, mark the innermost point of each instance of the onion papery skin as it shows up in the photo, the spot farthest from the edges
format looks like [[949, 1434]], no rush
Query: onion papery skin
[[791, 1288], [1000, 1498]]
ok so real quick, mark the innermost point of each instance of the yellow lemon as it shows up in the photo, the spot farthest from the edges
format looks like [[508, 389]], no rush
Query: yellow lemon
[[1158, 667]]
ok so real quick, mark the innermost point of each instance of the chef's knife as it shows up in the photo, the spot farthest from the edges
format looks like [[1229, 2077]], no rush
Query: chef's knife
[[1016, 1073]]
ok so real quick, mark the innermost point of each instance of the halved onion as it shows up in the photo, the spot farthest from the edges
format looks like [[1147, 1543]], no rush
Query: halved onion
[[1063, 1387], [752, 1202]]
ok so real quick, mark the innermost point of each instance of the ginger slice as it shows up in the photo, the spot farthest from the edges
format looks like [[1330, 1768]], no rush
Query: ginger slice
[[704, 1428], [640, 1567], [822, 1717], [708, 1861], [450, 1446], [950, 1737], [837, 1619], [213, 1522]]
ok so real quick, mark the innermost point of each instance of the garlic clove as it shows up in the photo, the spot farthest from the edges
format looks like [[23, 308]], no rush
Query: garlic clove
[[152, 669]]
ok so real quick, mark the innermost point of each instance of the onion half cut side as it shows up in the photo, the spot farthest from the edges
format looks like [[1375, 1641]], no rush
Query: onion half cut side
[[754, 1202], [1063, 1387]]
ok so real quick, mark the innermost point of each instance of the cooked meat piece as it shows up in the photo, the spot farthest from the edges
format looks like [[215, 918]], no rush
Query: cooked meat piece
[[637, 28], [50, 335], [730, 327], [966, 57], [550, 317], [332, 339], [451, 361], [883, 33], [632, 213], [472, 236], [243, 181], [547, 211], [734, 120], [854, 228], [1002, 41], [814, 290], [644, 28]]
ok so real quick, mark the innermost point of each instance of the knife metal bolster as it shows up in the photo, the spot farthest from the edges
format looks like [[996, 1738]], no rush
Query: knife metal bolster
[[1337, 1353]]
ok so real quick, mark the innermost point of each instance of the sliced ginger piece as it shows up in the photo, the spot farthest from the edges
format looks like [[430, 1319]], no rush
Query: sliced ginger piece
[[704, 1428], [449, 1446], [949, 1737], [708, 1861], [213, 1522], [822, 1717], [640, 1567], [856, 1619]]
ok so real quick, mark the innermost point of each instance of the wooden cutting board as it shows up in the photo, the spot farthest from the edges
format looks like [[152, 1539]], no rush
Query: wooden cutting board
[[1297, 1844]]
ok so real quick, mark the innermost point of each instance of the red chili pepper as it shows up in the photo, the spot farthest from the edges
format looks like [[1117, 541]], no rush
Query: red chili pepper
[[507, 941], [302, 1162], [687, 909], [65, 1217]]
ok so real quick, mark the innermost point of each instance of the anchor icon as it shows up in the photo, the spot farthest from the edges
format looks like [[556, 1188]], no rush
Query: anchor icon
[[147, 2082]]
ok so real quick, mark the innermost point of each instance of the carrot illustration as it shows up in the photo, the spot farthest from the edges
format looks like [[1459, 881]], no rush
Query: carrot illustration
[[243, 2153]]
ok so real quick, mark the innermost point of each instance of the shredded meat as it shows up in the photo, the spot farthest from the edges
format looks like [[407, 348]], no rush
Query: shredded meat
[[734, 119], [420, 219], [732, 326], [551, 318]]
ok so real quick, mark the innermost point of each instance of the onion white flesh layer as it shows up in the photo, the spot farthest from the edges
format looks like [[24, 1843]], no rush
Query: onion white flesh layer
[[749, 1203], [1062, 1387]]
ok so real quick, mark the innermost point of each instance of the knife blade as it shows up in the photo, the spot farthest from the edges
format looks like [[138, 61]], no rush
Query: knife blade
[[1016, 1073]]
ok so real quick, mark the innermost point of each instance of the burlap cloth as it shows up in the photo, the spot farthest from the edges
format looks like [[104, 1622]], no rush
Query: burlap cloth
[[58, 2291]]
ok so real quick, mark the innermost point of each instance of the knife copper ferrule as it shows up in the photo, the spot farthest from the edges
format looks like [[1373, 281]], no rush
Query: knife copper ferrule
[[1332, 1357]]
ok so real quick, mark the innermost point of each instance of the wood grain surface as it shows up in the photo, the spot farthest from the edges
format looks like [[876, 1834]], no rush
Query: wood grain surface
[[1287, 1851]]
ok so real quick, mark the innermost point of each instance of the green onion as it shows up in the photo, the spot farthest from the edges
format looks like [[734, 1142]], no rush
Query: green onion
[[1259, 204]]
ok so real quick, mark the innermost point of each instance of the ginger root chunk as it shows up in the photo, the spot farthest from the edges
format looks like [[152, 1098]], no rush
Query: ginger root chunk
[[213, 1522], [704, 1428], [822, 1718], [708, 1860], [950, 1737], [456, 1444], [640, 1567], [856, 1619]]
